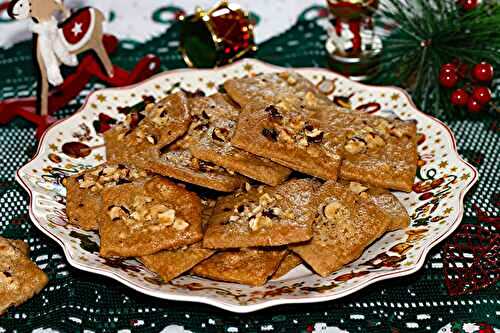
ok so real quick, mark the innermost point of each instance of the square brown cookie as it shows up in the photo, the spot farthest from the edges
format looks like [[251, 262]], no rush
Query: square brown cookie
[[20, 245], [143, 218], [247, 266], [381, 152], [169, 264], [176, 161], [294, 136], [384, 200], [84, 191], [288, 263], [155, 127], [20, 278], [346, 223], [217, 118], [172, 160], [274, 87], [263, 216]]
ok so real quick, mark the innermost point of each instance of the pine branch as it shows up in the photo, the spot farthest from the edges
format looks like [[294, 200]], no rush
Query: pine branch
[[429, 34]]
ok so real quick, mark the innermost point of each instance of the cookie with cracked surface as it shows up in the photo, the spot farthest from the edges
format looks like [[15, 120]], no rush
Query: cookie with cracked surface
[[274, 87], [143, 218], [215, 120], [263, 216], [385, 200], [246, 266], [169, 264], [345, 225], [84, 191], [158, 125], [381, 152], [294, 136], [20, 278]]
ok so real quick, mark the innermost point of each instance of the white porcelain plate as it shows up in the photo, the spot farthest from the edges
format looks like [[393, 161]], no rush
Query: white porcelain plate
[[435, 205]]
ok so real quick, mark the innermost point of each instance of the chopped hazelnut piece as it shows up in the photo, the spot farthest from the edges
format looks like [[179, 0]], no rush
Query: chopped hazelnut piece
[[151, 139], [288, 214], [310, 100], [265, 199], [109, 170], [291, 80], [260, 222], [87, 182], [157, 209], [302, 142], [382, 125], [314, 135], [334, 210], [374, 141], [276, 211], [284, 75], [136, 216], [357, 187], [96, 187], [355, 146], [398, 132], [283, 105], [220, 134], [167, 216], [116, 213], [180, 224], [233, 218], [248, 187]]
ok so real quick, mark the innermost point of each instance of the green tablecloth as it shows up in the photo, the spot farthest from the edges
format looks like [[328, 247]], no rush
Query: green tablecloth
[[75, 301]]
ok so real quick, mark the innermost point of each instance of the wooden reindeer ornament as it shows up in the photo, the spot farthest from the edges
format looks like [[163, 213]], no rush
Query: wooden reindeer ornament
[[59, 43]]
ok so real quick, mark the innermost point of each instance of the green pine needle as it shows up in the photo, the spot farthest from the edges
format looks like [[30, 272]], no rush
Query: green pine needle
[[430, 33]]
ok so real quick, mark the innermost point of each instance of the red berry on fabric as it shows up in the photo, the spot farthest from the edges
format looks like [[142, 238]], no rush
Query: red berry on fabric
[[483, 72], [482, 95], [448, 80], [474, 106], [459, 97], [469, 4], [448, 68]]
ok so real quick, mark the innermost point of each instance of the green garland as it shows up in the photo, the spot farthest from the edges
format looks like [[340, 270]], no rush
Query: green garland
[[430, 33]]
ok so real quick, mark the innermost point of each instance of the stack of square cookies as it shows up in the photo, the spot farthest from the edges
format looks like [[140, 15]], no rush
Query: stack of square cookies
[[244, 186]]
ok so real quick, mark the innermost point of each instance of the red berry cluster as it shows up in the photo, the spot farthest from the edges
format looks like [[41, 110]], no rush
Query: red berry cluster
[[474, 97], [468, 4]]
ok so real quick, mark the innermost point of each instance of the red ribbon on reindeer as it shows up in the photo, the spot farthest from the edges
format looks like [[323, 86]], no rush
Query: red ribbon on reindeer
[[60, 43]]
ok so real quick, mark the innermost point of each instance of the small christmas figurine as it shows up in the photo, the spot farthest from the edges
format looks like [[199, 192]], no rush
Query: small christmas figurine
[[352, 44], [59, 43]]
